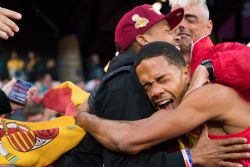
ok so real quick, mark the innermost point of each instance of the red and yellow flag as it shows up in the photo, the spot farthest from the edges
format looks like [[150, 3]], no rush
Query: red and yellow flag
[[41, 143], [64, 98], [37, 144]]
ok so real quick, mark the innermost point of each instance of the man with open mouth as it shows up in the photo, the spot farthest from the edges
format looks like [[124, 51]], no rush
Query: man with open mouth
[[164, 75]]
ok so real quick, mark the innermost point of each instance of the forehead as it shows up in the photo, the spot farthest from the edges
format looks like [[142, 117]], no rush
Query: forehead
[[153, 66], [191, 8], [194, 9]]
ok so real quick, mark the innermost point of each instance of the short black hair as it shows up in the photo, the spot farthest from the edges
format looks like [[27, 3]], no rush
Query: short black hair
[[155, 49]]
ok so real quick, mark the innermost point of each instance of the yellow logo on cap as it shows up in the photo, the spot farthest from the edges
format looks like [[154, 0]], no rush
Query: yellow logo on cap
[[139, 21]]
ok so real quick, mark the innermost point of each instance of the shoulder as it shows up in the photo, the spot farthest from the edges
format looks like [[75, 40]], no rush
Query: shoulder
[[123, 80], [213, 90], [211, 95]]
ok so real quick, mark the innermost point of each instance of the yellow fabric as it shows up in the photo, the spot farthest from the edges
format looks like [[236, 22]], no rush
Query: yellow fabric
[[68, 136], [192, 139], [78, 95], [41, 143]]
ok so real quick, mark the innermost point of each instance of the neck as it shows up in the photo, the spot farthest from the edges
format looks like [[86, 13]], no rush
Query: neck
[[186, 52]]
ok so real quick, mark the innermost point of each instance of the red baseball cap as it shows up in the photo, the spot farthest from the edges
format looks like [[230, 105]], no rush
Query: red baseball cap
[[139, 20]]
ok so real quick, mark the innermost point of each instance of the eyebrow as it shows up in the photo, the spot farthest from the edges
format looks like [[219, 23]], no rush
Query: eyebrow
[[190, 15], [156, 79]]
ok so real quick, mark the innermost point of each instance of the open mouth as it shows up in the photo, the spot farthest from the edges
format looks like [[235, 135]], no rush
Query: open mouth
[[166, 104]]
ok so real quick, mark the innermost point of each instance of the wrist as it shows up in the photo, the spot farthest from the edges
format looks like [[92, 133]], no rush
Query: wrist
[[197, 161], [78, 117], [204, 71], [207, 64]]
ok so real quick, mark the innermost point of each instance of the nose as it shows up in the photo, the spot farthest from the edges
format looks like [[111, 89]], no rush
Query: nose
[[156, 92], [181, 26]]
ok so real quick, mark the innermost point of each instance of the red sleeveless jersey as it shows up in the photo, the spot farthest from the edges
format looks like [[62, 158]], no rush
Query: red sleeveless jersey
[[245, 133]]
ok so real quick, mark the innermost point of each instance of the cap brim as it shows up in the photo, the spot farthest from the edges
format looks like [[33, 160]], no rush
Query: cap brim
[[174, 17]]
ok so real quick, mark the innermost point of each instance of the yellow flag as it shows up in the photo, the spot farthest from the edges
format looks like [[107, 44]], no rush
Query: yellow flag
[[37, 144]]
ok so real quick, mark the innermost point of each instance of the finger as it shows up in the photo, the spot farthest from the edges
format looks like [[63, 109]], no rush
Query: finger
[[31, 93], [233, 156], [236, 148], [12, 81], [231, 141], [229, 164], [15, 106], [10, 13], [6, 29], [11, 24], [3, 35]]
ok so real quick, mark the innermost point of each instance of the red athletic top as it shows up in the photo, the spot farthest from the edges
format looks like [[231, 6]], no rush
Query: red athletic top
[[245, 133], [230, 63]]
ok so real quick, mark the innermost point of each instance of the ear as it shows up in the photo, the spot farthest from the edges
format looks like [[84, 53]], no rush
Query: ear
[[209, 26], [141, 40], [186, 74]]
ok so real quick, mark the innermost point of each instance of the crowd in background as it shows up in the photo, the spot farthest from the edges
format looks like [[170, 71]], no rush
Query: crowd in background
[[42, 72]]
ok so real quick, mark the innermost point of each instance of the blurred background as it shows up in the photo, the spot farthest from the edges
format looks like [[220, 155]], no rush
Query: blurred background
[[73, 39]]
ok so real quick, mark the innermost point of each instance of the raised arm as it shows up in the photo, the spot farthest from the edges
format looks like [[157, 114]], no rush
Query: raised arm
[[135, 136]]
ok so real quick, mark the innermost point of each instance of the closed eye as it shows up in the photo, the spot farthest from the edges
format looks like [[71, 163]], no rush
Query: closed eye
[[191, 18], [147, 87], [162, 79]]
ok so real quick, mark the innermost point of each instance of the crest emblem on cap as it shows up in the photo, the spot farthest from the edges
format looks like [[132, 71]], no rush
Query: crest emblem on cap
[[139, 21]]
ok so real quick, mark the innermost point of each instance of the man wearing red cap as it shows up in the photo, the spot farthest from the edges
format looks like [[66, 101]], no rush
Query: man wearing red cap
[[120, 96]]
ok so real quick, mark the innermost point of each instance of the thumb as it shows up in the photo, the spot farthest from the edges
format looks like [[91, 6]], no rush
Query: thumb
[[12, 82], [8, 86], [204, 132]]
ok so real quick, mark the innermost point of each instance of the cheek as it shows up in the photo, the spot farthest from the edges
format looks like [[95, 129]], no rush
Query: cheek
[[178, 89], [160, 37], [168, 38], [197, 32]]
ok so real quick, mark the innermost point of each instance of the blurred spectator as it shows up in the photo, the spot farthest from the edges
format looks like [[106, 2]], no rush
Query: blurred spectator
[[34, 112], [15, 66], [46, 82], [18, 115], [32, 61], [94, 68], [38, 69], [51, 68], [92, 85], [81, 84]]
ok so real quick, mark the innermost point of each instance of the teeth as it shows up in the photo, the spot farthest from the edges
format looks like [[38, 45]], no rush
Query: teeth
[[165, 101]]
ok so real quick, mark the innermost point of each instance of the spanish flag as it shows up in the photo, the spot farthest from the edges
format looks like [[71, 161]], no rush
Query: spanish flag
[[37, 144], [40, 144], [64, 98]]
